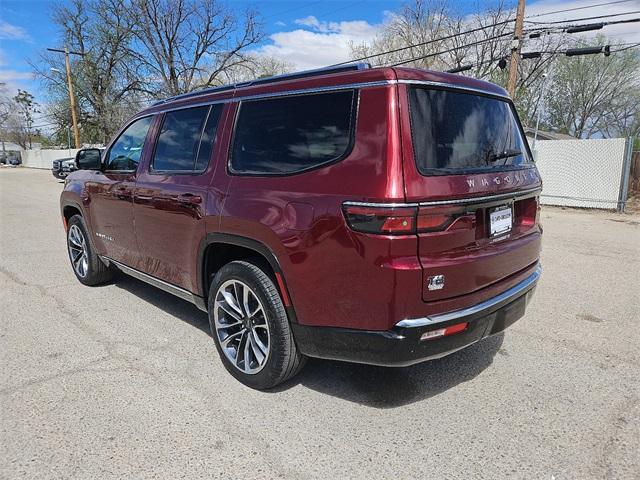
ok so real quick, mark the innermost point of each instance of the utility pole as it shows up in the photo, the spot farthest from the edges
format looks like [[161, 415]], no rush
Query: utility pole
[[72, 97], [516, 49]]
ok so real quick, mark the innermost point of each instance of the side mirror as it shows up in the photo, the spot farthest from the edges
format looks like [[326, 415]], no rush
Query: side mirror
[[88, 159]]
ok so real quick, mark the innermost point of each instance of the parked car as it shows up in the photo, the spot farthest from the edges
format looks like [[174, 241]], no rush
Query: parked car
[[10, 158], [384, 216], [63, 167]]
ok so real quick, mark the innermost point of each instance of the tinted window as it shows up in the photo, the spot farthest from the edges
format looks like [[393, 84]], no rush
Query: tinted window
[[208, 138], [179, 146], [291, 134], [127, 149], [455, 132]]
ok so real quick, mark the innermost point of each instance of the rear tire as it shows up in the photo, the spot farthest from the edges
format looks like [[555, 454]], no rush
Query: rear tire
[[86, 264], [250, 327]]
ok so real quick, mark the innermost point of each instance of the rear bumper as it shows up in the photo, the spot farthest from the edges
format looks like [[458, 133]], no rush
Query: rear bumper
[[402, 345]]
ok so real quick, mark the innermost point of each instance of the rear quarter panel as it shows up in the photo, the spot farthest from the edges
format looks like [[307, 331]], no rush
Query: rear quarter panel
[[335, 277]]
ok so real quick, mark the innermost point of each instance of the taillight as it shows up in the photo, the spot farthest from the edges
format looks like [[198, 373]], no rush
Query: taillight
[[432, 222], [382, 220], [399, 220]]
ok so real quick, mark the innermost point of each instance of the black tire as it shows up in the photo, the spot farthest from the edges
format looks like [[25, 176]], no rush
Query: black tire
[[283, 360], [94, 271]]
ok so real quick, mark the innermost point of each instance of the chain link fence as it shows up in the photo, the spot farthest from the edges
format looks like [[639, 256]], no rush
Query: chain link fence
[[590, 173]]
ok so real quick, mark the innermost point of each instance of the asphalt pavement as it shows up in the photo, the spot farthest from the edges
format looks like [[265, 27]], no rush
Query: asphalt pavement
[[124, 381]]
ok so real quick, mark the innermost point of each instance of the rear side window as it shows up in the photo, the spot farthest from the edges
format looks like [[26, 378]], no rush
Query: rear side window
[[292, 134], [186, 139], [456, 132]]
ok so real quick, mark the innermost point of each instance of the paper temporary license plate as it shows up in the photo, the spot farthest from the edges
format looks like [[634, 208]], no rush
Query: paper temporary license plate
[[500, 220]]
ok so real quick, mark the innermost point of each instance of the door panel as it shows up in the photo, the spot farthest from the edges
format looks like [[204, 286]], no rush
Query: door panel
[[111, 194], [112, 215], [170, 207]]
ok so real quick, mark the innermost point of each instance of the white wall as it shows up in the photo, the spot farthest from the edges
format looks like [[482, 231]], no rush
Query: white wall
[[581, 173], [44, 158]]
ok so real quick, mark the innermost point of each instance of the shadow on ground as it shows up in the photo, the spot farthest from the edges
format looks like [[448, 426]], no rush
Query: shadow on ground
[[372, 386]]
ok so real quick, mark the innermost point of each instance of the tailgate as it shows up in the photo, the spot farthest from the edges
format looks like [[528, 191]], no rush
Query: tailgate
[[466, 256], [468, 167]]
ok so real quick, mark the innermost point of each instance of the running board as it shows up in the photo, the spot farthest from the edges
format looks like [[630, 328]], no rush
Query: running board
[[197, 300]]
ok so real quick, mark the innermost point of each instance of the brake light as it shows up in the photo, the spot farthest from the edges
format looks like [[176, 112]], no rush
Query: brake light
[[381, 220], [432, 222], [399, 220]]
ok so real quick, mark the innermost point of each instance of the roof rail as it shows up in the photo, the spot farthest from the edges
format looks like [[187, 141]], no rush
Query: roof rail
[[276, 78]]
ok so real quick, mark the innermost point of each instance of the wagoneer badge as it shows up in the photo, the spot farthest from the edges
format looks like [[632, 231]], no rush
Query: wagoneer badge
[[435, 282]]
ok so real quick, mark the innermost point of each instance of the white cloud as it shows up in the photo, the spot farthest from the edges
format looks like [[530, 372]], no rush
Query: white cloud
[[280, 23], [323, 43], [318, 43], [14, 75], [12, 32], [622, 33]]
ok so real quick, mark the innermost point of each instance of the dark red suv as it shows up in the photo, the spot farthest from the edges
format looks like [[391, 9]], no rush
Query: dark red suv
[[384, 216]]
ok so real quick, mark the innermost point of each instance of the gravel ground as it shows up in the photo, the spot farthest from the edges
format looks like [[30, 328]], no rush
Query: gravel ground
[[123, 380]]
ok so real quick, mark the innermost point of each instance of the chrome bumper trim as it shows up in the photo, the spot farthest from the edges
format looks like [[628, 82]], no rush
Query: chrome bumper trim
[[507, 295]]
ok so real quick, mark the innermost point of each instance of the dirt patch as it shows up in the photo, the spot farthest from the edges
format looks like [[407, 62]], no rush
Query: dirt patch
[[589, 318]]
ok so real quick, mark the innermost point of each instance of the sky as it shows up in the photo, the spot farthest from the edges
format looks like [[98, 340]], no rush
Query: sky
[[307, 34]]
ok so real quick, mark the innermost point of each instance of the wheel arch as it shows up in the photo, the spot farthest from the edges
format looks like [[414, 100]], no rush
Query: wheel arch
[[217, 249], [68, 210]]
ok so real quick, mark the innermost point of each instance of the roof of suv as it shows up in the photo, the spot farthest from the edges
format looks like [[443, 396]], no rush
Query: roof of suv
[[325, 79]]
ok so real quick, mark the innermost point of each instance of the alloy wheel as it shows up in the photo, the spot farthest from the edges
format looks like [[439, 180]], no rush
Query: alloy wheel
[[78, 251], [241, 326]]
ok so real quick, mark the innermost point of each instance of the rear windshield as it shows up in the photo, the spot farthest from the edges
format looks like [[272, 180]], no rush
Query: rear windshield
[[455, 132]]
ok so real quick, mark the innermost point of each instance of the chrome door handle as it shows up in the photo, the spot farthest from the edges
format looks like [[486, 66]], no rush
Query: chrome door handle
[[190, 198]]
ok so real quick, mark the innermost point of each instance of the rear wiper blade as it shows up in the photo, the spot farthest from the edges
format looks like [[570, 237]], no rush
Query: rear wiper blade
[[492, 157]]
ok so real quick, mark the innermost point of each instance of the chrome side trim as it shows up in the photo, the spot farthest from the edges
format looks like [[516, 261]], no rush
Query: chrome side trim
[[486, 198], [156, 282], [376, 204], [452, 86], [466, 200], [285, 93], [505, 296]]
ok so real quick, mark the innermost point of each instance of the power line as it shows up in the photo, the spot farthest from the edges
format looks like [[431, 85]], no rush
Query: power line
[[422, 57], [580, 8], [597, 17], [594, 26], [634, 45], [606, 49], [473, 30], [428, 42]]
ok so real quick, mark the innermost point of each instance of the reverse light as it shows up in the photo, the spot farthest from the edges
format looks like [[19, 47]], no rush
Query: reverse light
[[444, 332]]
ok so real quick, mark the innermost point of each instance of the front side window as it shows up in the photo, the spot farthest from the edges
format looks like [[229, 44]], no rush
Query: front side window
[[125, 153], [292, 134], [186, 139], [455, 132]]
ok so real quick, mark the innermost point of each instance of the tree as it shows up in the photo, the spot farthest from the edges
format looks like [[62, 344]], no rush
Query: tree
[[21, 124], [106, 82], [256, 66], [417, 22], [183, 45], [6, 107], [595, 94]]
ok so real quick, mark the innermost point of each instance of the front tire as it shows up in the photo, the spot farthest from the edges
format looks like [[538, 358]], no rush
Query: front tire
[[86, 264], [250, 327]]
